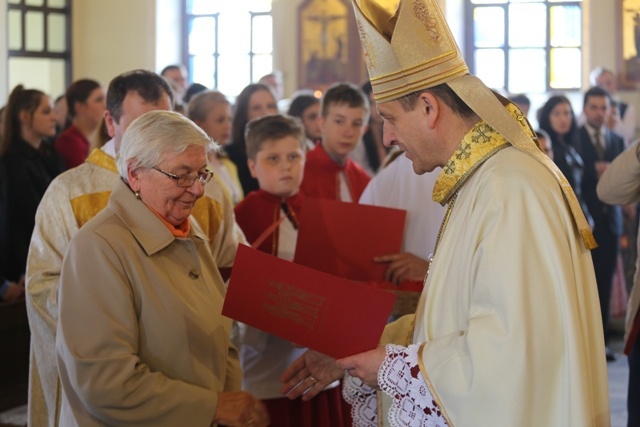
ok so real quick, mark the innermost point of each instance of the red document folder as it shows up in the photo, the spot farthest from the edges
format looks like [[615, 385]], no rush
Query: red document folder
[[328, 314], [343, 238]]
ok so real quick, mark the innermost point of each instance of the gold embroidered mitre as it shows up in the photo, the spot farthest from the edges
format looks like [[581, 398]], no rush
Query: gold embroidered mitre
[[406, 48]]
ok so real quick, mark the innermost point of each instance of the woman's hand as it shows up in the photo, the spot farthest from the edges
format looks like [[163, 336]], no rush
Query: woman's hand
[[240, 409], [308, 375]]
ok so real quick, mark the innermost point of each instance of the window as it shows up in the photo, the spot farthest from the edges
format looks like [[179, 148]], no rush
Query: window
[[229, 44], [39, 47], [525, 46]]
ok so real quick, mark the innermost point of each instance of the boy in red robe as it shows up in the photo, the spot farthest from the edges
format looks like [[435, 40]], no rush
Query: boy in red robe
[[329, 172], [268, 218]]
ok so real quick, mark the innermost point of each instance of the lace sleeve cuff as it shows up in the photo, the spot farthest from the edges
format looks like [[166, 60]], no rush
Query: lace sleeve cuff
[[400, 377], [363, 401]]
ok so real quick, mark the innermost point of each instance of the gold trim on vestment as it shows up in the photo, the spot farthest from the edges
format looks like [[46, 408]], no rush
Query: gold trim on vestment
[[407, 49], [478, 145], [86, 206], [430, 386], [491, 108], [208, 214], [102, 159]]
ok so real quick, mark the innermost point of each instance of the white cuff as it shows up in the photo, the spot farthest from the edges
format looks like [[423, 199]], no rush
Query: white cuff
[[400, 377], [363, 401]]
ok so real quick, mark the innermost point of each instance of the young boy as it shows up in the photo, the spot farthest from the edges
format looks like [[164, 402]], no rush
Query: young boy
[[275, 152], [329, 172]]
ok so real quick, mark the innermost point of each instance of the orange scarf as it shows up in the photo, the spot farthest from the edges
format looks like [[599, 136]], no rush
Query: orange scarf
[[182, 230]]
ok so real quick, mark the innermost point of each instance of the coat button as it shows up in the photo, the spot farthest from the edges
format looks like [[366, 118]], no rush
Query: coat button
[[194, 274]]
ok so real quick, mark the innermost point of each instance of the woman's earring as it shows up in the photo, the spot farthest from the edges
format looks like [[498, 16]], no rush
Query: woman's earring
[[137, 194]]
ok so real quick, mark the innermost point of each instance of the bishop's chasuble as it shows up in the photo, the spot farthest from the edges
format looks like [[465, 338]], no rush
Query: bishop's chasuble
[[507, 331]]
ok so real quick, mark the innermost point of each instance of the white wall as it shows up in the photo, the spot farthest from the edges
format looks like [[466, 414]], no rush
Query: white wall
[[168, 33], [285, 42], [4, 83], [114, 36]]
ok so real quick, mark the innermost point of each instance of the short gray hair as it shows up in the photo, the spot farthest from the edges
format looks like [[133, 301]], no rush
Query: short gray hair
[[597, 72], [158, 132]]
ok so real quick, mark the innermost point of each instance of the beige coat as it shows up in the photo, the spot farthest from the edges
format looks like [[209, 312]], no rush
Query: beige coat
[[140, 339], [71, 200], [620, 184]]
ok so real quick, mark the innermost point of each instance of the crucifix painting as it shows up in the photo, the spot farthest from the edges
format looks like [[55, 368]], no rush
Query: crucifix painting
[[325, 45], [629, 45]]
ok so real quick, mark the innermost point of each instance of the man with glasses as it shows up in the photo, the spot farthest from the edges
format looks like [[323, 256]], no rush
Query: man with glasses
[[74, 198]]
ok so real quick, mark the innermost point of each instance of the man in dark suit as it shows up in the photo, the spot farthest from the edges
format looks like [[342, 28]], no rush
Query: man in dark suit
[[598, 146]]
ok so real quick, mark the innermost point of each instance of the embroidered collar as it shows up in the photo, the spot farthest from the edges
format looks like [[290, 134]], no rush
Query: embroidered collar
[[480, 143], [102, 159]]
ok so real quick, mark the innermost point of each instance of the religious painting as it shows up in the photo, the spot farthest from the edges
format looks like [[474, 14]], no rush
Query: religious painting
[[328, 44], [629, 43]]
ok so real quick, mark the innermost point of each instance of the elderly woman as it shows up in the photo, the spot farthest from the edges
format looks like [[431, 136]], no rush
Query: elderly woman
[[141, 340]]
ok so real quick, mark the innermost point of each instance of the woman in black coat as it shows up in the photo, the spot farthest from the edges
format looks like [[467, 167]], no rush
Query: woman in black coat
[[30, 164]]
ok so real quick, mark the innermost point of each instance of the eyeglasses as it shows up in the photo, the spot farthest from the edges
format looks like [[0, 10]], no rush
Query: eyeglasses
[[188, 179]]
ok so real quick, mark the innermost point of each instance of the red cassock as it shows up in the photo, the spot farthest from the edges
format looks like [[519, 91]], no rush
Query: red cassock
[[256, 213], [322, 176]]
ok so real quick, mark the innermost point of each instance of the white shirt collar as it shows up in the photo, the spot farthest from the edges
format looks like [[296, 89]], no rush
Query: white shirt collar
[[110, 148]]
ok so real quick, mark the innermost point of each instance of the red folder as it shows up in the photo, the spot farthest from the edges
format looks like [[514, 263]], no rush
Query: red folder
[[343, 238], [328, 314]]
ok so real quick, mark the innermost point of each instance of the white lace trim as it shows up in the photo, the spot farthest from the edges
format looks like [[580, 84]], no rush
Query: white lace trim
[[363, 401], [400, 377]]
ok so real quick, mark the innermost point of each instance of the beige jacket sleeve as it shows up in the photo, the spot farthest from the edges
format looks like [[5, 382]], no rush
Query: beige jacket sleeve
[[620, 183]]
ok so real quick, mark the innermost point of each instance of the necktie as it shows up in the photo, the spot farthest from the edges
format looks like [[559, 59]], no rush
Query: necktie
[[599, 145]]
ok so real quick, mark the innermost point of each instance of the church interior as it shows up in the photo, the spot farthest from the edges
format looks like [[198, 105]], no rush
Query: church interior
[[527, 50]]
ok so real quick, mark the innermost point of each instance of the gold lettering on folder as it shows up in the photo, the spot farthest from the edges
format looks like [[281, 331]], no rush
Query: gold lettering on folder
[[284, 301]]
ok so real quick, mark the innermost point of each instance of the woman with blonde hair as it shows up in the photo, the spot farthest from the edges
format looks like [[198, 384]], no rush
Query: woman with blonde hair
[[212, 112]]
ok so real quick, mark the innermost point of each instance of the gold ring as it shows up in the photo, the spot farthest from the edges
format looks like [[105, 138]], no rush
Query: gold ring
[[313, 379]]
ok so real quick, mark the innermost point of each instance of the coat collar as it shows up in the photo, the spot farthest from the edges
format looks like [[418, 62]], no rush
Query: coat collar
[[145, 226]]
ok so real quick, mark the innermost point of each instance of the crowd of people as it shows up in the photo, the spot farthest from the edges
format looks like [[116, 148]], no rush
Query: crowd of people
[[122, 208]]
